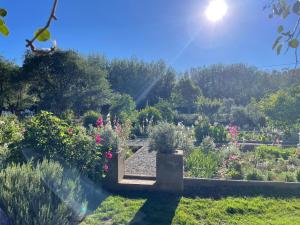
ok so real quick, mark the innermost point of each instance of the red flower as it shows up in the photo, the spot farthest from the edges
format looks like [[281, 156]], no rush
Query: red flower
[[99, 122], [105, 168], [98, 138], [108, 155]]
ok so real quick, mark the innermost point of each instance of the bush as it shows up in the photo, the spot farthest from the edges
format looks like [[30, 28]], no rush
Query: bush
[[68, 116], [290, 177], [122, 107], [186, 119], [265, 151], [149, 115], [202, 130], [11, 130], [49, 137], [208, 145], [298, 175], [255, 175], [163, 138], [41, 195], [90, 118], [167, 138], [166, 110], [202, 165]]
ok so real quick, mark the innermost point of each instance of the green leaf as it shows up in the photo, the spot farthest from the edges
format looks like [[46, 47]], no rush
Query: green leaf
[[296, 7], [3, 12], [278, 49], [294, 43], [44, 36], [280, 29], [3, 28], [276, 42]]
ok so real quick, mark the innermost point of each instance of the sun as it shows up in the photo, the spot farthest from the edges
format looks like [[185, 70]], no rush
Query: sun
[[216, 10]]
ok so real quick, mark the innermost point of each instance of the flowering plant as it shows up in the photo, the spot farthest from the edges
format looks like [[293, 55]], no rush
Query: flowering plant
[[108, 139]]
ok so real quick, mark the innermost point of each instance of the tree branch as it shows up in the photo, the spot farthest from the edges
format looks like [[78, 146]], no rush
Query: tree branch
[[30, 42]]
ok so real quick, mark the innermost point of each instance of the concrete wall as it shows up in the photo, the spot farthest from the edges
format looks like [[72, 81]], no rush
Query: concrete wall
[[239, 187]]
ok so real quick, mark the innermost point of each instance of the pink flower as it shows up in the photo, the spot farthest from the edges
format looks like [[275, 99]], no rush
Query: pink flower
[[108, 155], [233, 157], [105, 168], [98, 138], [99, 122], [70, 131]]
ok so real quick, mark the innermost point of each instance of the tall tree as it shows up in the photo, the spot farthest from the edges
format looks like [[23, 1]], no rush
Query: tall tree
[[65, 80]]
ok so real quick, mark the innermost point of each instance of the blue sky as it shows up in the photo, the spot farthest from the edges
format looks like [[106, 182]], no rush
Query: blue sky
[[173, 30]]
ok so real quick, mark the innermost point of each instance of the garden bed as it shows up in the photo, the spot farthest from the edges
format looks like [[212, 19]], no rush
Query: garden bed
[[264, 163]]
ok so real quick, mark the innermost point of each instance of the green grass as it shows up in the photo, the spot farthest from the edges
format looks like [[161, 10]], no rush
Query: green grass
[[165, 209]]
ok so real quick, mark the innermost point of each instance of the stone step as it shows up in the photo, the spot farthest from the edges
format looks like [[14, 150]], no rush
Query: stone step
[[136, 184]]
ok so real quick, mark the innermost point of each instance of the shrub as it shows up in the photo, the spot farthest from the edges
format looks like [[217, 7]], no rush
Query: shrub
[[166, 110], [68, 116], [202, 165], [49, 137], [290, 177], [163, 138], [202, 130], [254, 175], [186, 119], [11, 130], [41, 195], [208, 145], [90, 118], [122, 107], [167, 138], [265, 151], [148, 115], [298, 175]]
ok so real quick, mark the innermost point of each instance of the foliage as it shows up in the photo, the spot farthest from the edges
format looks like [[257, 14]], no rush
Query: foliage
[[146, 83], [122, 107], [11, 133], [254, 175], [208, 106], [298, 175], [265, 151], [167, 138], [186, 119], [185, 95], [71, 82], [208, 145], [203, 129], [49, 137], [149, 114], [90, 118], [167, 209], [288, 36], [41, 195], [282, 107], [163, 138], [202, 165], [166, 110]]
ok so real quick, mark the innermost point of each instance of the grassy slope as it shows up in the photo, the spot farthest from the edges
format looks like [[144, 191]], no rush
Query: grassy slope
[[162, 209]]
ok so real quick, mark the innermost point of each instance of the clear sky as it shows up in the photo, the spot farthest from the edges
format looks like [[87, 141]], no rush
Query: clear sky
[[176, 31]]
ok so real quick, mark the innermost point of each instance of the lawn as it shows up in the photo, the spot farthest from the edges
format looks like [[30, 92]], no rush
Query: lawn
[[167, 209]]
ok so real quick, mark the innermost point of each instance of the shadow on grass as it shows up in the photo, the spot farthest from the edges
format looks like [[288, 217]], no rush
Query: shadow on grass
[[158, 209]]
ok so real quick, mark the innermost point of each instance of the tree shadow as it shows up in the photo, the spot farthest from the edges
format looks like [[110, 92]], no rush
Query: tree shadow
[[159, 209]]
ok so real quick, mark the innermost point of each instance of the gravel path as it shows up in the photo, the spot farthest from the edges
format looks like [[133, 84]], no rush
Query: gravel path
[[143, 162]]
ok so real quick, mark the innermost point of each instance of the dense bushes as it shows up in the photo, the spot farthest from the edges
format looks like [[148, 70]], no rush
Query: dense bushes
[[203, 129], [41, 195], [49, 137], [200, 164], [90, 118]]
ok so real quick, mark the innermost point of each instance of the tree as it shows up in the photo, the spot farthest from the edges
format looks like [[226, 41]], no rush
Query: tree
[[146, 83], [185, 95], [122, 107], [283, 106], [65, 80]]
